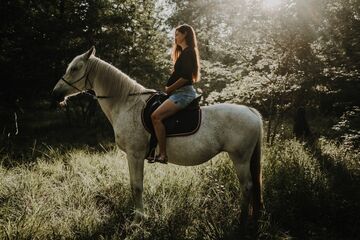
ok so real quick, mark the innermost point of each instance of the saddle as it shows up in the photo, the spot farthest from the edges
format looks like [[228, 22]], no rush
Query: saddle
[[183, 123]]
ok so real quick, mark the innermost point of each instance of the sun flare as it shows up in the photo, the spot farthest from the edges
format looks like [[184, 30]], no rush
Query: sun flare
[[271, 3]]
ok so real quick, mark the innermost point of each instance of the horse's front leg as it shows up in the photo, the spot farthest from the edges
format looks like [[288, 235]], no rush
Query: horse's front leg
[[136, 169]]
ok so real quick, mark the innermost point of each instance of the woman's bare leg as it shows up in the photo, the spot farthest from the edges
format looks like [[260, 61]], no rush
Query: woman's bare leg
[[166, 109]]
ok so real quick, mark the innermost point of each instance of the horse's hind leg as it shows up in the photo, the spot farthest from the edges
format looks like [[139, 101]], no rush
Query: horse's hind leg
[[242, 168]]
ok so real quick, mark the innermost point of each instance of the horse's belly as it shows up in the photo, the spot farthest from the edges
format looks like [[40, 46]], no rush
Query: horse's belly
[[183, 152]]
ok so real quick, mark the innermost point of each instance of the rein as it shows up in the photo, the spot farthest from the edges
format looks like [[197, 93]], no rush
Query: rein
[[142, 93]]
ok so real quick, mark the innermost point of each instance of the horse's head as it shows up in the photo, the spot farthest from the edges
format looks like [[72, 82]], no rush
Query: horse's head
[[75, 79]]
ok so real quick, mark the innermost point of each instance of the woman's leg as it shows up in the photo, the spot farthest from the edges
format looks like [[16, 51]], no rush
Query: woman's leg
[[165, 110]]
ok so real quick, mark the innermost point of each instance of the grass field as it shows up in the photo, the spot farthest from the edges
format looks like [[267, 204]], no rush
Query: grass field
[[85, 194]]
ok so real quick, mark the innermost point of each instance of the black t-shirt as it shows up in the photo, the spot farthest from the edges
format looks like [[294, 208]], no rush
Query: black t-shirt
[[184, 67]]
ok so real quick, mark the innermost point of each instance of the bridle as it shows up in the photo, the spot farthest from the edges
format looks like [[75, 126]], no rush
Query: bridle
[[87, 82], [72, 84]]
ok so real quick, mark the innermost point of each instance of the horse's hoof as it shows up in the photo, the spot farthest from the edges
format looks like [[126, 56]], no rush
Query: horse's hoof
[[134, 225], [136, 221], [139, 217]]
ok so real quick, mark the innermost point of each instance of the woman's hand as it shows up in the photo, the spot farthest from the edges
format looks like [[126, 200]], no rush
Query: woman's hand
[[167, 90], [178, 84]]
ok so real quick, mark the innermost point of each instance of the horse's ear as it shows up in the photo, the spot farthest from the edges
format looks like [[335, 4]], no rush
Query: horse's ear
[[89, 53]]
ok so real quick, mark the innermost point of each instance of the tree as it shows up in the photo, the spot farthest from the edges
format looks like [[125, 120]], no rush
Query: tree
[[39, 38], [280, 59]]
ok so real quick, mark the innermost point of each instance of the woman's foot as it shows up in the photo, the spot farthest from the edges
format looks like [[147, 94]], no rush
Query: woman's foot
[[161, 159], [151, 157]]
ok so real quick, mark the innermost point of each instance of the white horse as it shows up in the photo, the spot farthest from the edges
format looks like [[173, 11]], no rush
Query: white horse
[[235, 129]]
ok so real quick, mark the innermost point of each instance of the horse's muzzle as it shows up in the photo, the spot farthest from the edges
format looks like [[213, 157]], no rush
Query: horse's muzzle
[[57, 95]]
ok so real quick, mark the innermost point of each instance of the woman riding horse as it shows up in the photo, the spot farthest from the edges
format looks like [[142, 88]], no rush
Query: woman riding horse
[[232, 128], [185, 56]]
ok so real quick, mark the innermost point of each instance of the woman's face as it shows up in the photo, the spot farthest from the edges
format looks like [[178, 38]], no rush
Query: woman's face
[[179, 37]]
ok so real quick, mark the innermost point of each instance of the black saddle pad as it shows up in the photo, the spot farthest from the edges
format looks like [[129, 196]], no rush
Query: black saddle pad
[[183, 123]]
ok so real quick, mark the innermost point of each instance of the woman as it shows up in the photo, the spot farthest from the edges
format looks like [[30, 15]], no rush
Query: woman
[[179, 86]]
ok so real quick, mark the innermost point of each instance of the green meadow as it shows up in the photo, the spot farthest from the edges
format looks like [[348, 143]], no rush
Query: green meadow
[[82, 193]]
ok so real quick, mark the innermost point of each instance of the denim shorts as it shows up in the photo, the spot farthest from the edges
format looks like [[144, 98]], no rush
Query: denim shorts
[[183, 96]]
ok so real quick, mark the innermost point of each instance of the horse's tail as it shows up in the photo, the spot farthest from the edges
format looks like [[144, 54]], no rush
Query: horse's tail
[[255, 169]]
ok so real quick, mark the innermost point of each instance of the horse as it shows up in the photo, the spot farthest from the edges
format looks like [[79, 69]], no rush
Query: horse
[[235, 129]]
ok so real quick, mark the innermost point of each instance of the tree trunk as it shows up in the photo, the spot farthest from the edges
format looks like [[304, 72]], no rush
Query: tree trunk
[[301, 127]]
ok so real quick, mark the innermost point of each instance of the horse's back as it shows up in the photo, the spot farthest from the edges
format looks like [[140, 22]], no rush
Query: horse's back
[[231, 113]]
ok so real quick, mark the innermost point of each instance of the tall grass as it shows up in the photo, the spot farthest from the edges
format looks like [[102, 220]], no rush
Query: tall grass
[[84, 194]]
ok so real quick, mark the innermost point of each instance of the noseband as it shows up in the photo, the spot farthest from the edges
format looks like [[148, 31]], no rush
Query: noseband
[[72, 84]]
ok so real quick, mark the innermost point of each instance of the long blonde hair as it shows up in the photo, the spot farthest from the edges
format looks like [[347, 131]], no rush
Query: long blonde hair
[[191, 41]]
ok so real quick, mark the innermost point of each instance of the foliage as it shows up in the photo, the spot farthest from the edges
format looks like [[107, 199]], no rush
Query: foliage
[[303, 53], [38, 39], [299, 54], [348, 128]]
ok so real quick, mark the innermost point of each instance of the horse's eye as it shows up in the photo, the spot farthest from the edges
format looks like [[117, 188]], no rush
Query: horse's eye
[[73, 69]]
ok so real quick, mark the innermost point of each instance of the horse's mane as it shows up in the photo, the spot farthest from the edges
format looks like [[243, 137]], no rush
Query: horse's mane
[[114, 82]]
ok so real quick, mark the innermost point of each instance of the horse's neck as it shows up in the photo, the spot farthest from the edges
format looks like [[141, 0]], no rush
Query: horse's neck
[[114, 105]]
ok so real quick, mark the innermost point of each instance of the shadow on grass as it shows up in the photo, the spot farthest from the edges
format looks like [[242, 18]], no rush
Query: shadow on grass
[[310, 194], [344, 199]]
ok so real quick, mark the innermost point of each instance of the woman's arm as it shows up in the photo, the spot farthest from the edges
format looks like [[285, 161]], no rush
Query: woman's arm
[[176, 85]]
